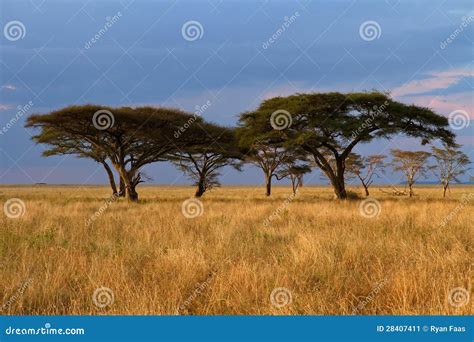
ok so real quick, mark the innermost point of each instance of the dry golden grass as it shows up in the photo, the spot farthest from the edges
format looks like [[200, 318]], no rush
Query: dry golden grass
[[226, 261]]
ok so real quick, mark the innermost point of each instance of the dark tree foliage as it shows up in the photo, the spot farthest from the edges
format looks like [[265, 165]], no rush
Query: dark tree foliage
[[137, 137], [202, 163], [294, 168], [333, 124]]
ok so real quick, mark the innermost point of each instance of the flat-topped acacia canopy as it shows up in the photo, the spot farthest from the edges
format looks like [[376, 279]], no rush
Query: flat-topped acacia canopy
[[333, 123]]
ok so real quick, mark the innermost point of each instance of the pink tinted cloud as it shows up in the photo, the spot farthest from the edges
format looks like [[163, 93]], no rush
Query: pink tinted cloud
[[445, 103], [4, 107], [435, 80]]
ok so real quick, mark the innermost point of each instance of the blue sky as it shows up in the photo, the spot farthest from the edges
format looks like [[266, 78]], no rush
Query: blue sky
[[421, 51]]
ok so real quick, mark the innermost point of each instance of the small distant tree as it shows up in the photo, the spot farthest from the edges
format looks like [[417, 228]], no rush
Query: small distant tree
[[450, 164], [203, 162], [365, 168], [413, 164], [269, 159], [294, 168]]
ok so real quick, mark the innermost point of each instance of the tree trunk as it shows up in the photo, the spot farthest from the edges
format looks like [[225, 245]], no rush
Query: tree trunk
[[201, 188], [340, 191], [121, 187], [366, 188], [445, 187], [131, 193], [300, 181], [268, 182], [410, 189], [338, 182], [110, 174], [294, 183]]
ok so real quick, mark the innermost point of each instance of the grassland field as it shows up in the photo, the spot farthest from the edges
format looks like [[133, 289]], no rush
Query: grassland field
[[246, 254]]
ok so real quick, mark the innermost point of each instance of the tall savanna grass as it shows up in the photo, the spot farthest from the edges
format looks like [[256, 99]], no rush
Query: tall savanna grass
[[330, 258]]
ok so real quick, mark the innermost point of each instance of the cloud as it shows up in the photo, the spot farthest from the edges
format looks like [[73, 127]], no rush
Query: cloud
[[435, 80], [4, 107], [9, 87], [445, 103]]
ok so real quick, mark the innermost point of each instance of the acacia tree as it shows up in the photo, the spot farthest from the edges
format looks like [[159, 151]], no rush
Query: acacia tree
[[333, 124], [294, 169], [267, 158], [131, 139], [203, 162], [365, 168], [450, 164], [63, 144], [412, 164]]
